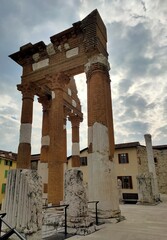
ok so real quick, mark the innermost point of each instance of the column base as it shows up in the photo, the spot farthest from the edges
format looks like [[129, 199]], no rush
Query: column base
[[151, 203], [80, 225], [107, 216]]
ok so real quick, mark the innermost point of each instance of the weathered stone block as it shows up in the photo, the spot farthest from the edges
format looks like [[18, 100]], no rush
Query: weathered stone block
[[146, 189], [23, 202], [78, 221]]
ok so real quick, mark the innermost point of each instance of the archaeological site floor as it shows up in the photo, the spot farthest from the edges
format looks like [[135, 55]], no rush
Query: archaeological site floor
[[142, 223]]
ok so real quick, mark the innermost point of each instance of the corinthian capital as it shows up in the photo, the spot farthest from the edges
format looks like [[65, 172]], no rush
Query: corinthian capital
[[27, 90], [45, 101], [75, 120], [57, 81]]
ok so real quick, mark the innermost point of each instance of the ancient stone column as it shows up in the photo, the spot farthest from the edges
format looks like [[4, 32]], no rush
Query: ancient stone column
[[23, 202], [102, 185], [45, 142], [75, 121], [24, 149], [66, 111], [151, 164], [56, 159], [78, 220]]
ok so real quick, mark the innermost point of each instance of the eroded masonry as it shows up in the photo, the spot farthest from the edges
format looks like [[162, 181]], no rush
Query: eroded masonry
[[48, 72]]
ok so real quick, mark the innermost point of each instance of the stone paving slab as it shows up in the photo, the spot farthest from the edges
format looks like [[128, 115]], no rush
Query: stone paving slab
[[142, 223], [58, 236]]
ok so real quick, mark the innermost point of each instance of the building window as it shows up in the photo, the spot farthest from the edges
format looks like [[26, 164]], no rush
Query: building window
[[123, 158], [83, 161], [8, 163], [126, 182], [6, 174], [3, 187]]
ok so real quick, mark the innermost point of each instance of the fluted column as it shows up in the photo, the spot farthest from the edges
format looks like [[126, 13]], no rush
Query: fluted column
[[56, 159], [66, 112], [99, 97], [24, 149], [102, 179], [75, 122], [45, 140]]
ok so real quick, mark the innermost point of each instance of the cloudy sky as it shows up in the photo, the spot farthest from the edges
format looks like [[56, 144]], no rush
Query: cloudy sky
[[137, 47]]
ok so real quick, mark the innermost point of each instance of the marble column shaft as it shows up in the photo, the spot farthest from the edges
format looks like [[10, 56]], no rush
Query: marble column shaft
[[56, 150], [102, 183], [75, 122], [24, 149]]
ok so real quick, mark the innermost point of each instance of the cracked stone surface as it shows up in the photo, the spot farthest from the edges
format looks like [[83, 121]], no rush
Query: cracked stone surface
[[23, 202], [78, 220]]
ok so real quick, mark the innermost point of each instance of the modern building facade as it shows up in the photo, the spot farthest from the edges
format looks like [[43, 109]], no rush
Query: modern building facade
[[130, 161], [7, 162]]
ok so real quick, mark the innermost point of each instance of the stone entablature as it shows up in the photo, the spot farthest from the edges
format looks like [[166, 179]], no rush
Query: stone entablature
[[69, 48]]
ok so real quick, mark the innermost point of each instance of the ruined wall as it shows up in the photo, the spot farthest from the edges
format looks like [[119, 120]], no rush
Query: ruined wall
[[161, 165], [142, 160], [161, 169]]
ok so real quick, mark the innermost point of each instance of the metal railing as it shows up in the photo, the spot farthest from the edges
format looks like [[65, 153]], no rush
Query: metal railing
[[65, 213], [11, 230], [96, 202]]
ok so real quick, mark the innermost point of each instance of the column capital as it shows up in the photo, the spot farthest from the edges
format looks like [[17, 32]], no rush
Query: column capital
[[99, 58], [28, 90], [45, 101], [75, 120], [57, 81], [67, 111], [97, 63]]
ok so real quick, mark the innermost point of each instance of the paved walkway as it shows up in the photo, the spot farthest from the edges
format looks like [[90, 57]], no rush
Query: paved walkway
[[142, 223]]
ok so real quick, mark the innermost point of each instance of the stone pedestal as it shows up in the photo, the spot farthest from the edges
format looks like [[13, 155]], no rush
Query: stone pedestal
[[102, 184], [23, 202], [78, 220], [146, 189]]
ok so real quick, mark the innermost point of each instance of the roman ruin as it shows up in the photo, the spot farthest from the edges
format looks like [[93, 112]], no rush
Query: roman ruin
[[147, 181], [47, 72], [23, 202], [78, 219]]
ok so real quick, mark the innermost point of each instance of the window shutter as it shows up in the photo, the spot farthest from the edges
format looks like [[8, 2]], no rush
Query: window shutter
[[130, 181], [3, 187], [119, 158], [6, 173], [127, 158]]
